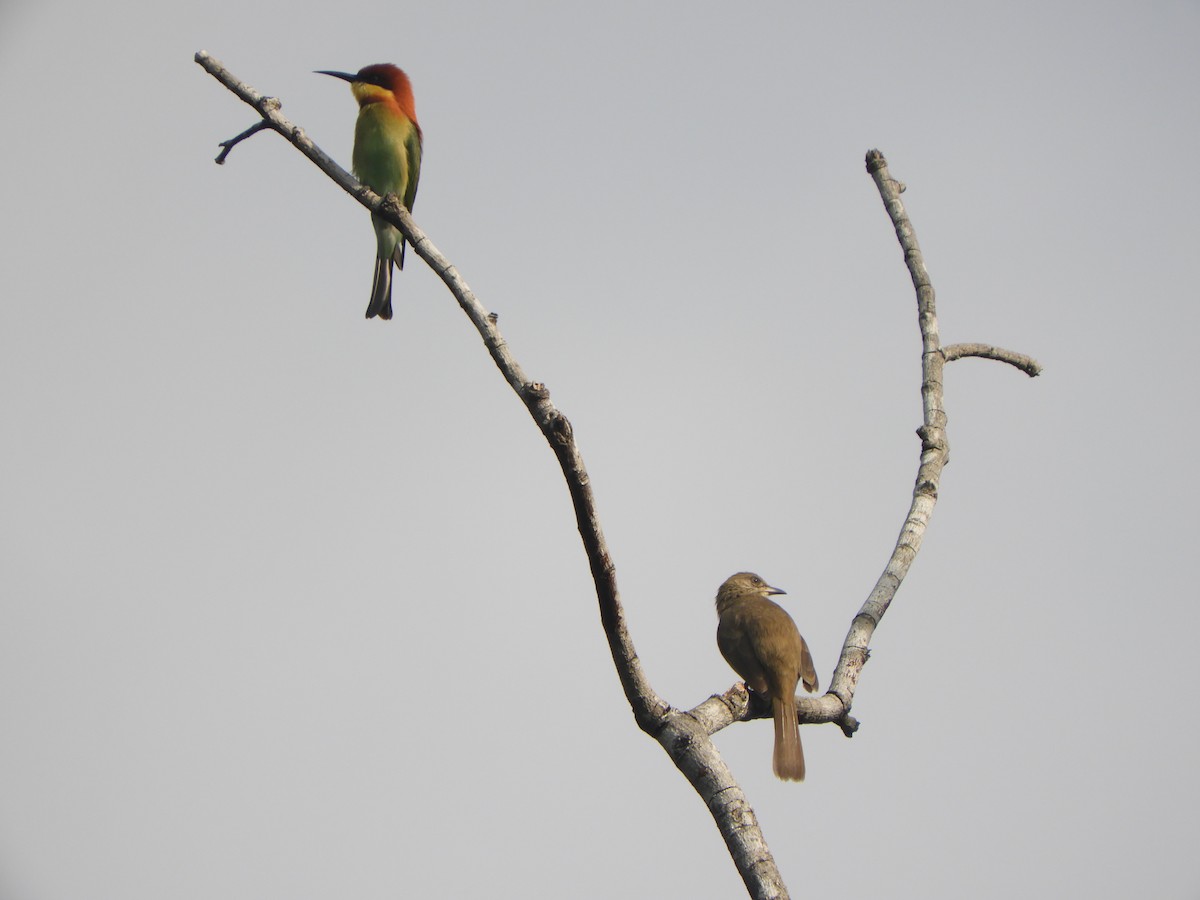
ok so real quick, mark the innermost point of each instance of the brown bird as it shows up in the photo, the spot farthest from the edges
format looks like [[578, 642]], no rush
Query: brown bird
[[759, 639]]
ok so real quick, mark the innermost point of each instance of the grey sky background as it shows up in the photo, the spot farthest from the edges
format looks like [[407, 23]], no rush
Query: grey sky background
[[292, 604]]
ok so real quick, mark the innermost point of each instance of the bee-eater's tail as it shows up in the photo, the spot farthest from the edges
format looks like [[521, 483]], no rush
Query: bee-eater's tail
[[381, 290]]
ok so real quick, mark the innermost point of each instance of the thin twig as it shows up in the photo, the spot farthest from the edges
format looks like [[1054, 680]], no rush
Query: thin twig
[[228, 145]]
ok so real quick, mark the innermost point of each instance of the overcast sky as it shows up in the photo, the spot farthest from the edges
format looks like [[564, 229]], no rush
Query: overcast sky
[[292, 603]]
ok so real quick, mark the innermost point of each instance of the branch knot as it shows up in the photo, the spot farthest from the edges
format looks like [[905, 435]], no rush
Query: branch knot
[[561, 428], [535, 390]]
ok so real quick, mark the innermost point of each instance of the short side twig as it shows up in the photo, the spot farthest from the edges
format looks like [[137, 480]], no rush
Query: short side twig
[[228, 145], [1026, 364]]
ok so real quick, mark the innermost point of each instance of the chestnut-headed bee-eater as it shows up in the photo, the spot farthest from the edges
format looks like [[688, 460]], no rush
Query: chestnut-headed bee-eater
[[387, 159]]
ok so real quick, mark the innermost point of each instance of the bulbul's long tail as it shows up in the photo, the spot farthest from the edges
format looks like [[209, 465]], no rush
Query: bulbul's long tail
[[788, 761]]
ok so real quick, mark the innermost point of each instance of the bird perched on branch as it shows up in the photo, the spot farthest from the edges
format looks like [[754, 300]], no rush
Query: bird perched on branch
[[387, 159], [759, 639]]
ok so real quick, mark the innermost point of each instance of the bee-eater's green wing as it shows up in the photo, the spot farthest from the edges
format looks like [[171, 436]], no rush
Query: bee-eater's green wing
[[412, 147]]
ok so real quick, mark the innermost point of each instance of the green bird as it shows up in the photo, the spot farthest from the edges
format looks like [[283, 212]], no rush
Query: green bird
[[387, 159]]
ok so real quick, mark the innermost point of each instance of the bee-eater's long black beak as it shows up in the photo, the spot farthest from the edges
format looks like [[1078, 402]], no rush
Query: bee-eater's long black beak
[[345, 76]]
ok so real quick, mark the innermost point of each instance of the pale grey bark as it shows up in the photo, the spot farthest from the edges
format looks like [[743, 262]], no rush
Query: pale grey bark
[[1026, 364]]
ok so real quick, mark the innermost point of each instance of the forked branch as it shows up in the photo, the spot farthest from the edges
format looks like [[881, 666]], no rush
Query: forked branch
[[685, 735]]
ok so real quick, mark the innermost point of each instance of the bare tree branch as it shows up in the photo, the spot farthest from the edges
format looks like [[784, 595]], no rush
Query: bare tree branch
[[268, 108], [934, 447], [684, 735]]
